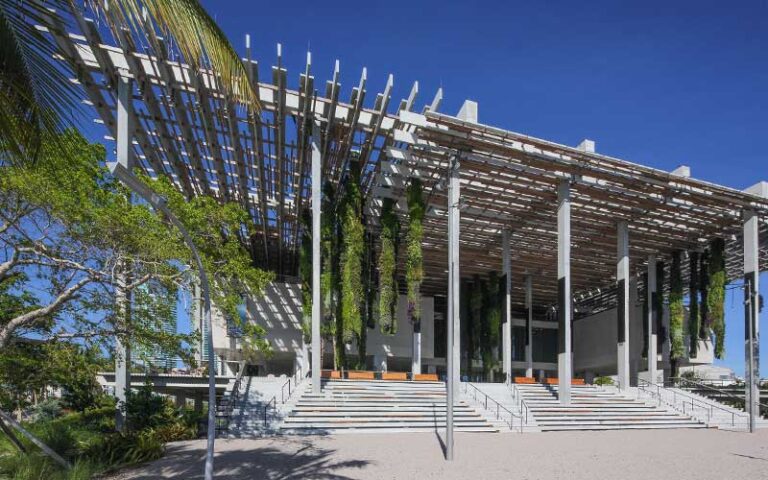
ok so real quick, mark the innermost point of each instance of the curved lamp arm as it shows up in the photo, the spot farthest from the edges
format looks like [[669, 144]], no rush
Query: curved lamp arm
[[159, 203]]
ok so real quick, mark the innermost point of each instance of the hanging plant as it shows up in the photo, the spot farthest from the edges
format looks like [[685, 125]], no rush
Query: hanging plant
[[661, 331], [353, 248], [676, 310], [492, 322], [305, 272], [477, 318], [716, 294], [644, 293], [704, 326], [329, 274], [388, 268], [693, 304], [414, 270]]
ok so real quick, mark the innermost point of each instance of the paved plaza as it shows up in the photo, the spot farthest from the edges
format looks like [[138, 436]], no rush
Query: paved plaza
[[626, 455]]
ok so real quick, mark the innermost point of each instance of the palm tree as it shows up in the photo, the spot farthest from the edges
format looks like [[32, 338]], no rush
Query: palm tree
[[37, 100]]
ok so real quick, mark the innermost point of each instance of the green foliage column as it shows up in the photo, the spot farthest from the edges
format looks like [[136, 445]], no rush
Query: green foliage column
[[305, 273], [388, 290], [353, 249], [676, 310], [414, 270], [693, 309], [716, 294], [704, 326]]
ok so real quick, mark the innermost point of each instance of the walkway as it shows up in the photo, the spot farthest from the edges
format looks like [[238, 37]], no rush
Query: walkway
[[630, 455]]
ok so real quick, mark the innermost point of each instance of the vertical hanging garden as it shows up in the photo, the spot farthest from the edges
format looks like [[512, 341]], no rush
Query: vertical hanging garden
[[716, 294], [676, 310], [390, 227], [414, 270], [693, 305], [353, 249], [704, 327], [305, 272]]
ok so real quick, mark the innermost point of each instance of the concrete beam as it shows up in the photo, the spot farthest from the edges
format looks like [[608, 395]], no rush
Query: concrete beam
[[651, 294], [529, 326], [622, 310], [586, 145], [468, 111], [317, 196], [751, 315], [564, 356], [506, 328]]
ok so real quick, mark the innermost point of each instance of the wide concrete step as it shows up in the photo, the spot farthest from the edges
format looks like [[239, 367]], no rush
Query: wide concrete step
[[381, 429], [643, 426]]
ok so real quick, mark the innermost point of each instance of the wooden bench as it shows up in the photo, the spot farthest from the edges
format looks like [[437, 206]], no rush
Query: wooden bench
[[360, 375], [425, 377], [525, 380], [335, 374], [394, 376]]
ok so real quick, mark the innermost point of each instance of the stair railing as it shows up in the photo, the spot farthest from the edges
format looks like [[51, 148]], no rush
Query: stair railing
[[720, 393], [499, 407], [522, 405], [655, 391], [272, 403]]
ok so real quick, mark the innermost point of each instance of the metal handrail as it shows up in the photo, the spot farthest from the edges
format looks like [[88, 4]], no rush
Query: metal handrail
[[295, 379], [522, 404], [499, 406], [643, 384], [272, 403], [721, 392]]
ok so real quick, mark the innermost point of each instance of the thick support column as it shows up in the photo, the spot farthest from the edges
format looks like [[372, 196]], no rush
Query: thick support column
[[416, 349], [622, 300], [317, 166], [651, 292], [123, 297], [453, 358], [751, 313], [529, 326], [564, 357], [506, 327]]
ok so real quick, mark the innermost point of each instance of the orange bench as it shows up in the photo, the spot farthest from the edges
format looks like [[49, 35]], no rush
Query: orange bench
[[359, 375], [330, 374], [425, 377], [394, 376], [525, 380], [574, 381]]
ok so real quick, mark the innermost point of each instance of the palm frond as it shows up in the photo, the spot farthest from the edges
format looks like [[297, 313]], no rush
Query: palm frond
[[201, 42], [36, 97]]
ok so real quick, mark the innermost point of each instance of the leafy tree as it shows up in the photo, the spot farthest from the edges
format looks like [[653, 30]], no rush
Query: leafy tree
[[388, 290]]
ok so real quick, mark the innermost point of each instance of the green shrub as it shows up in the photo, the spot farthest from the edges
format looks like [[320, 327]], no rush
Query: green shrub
[[603, 381], [121, 449], [48, 409]]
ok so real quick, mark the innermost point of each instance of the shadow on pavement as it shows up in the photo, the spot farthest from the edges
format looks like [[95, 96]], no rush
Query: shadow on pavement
[[300, 459]]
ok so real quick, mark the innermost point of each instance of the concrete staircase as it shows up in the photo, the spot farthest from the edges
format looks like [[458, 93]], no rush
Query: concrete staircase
[[593, 408], [261, 407], [378, 406], [713, 413]]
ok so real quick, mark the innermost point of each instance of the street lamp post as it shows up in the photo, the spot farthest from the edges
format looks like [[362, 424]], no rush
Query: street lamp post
[[159, 203]]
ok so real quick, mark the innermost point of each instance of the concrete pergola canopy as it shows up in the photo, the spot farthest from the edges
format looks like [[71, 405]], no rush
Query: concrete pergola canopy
[[188, 130]]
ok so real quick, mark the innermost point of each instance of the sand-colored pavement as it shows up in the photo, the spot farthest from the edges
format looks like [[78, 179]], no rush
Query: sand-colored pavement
[[624, 455]]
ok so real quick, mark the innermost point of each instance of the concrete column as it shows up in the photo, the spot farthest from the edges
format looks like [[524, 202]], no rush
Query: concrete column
[[651, 298], [622, 301], [751, 315], [380, 362], [416, 348], [529, 326], [506, 327], [564, 357], [317, 166], [122, 297], [453, 358]]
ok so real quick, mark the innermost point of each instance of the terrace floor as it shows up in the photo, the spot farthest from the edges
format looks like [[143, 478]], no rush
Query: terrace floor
[[628, 455]]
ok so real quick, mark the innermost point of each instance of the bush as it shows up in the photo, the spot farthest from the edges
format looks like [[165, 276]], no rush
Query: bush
[[121, 449], [48, 409], [603, 381]]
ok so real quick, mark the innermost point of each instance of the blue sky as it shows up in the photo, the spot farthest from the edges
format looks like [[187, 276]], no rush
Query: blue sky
[[658, 83]]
